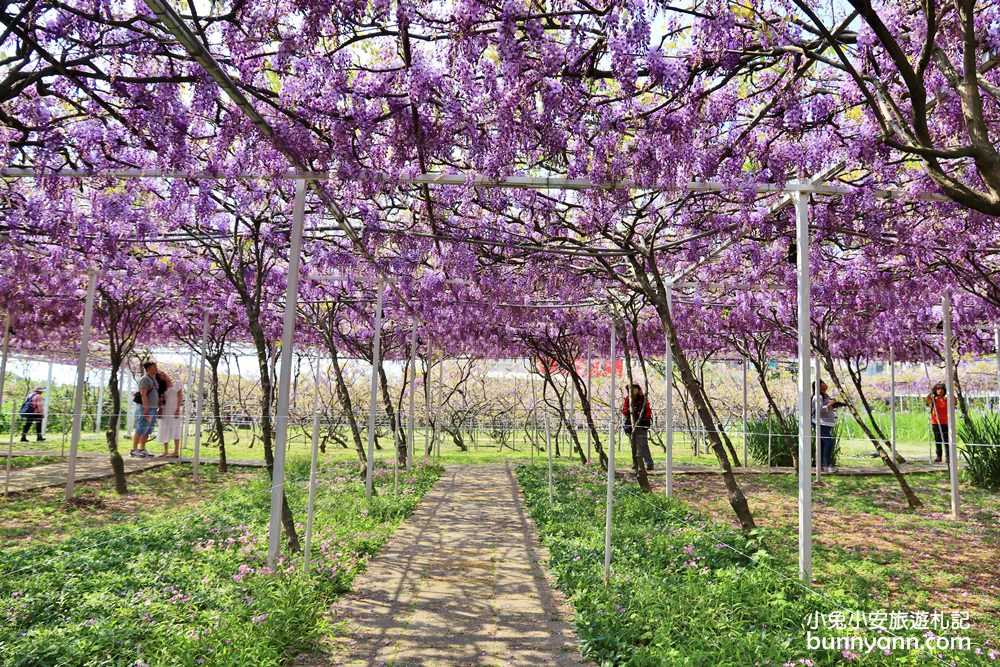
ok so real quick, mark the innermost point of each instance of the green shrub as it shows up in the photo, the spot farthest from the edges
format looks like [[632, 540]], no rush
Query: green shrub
[[760, 430], [982, 464], [767, 438]]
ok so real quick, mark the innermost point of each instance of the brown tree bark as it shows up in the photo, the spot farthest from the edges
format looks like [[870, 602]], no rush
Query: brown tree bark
[[737, 499], [220, 430], [267, 428], [117, 464], [831, 373]]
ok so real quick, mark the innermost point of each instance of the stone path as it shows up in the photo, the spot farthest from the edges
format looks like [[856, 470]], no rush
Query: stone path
[[48, 452], [87, 468], [89, 465], [462, 582]]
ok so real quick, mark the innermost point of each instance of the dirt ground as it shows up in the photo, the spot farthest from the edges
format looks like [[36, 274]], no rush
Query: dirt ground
[[862, 527]]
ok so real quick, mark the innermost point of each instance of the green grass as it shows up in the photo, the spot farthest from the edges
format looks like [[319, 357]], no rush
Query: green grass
[[21, 462], [482, 450], [865, 533], [42, 517], [193, 587], [679, 596], [912, 442]]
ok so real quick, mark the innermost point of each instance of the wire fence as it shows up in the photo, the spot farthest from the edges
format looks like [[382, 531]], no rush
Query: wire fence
[[516, 432]]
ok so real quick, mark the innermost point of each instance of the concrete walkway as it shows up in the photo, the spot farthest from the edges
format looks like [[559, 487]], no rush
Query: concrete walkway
[[462, 582], [87, 468]]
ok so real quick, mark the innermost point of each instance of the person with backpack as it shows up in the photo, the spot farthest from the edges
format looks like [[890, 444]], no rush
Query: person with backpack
[[33, 412], [637, 410], [147, 409]]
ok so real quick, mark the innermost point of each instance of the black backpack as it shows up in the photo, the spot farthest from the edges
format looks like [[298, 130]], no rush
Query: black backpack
[[28, 407], [137, 396], [161, 387]]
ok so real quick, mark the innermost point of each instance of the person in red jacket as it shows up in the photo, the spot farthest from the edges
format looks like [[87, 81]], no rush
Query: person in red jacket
[[937, 401], [636, 409]]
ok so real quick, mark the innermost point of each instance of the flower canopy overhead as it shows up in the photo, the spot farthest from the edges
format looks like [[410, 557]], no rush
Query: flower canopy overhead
[[374, 94]]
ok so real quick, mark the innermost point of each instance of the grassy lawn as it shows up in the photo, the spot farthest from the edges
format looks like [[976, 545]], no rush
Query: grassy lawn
[[241, 444], [187, 582], [680, 595], [41, 516]]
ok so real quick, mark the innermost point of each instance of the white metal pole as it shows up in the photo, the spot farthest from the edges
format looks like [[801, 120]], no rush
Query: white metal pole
[[313, 464], [611, 467], [614, 373], [818, 406], [62, 442], [534, 421], [48, 400], [949, 369], [572, 416], [668, 403], [428, 442], [3, 361], [746, 463], [81, 380], [10, 448], [13, 410], [101, 381], [996, 340], [413, 385], [805, 345], [311, 506], [590, 349], [373, 397], [437, 406], [397, 433], [892, 401], [199, 409], [285, 373], [186, 422], [548, 446], [129, 412]]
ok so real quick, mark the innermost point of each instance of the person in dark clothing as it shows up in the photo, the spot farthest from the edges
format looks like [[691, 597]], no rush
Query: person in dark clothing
[[33, 412], [636, 409], [827, 422]]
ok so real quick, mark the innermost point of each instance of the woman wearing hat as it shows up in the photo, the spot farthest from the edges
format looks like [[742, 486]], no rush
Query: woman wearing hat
[[32, 412], [937, 401]]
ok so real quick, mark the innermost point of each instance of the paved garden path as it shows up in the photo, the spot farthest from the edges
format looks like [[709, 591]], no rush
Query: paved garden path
[[87, 467], [461, 582]]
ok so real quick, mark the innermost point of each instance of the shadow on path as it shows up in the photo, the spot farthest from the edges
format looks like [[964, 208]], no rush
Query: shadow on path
[[462, 582]]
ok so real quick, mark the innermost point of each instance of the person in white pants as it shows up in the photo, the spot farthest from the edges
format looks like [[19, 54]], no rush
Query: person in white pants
[[170, 417]]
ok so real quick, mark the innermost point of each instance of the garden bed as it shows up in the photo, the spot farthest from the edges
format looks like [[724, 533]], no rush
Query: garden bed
[[688, 589], [193, 587], [864, 531]]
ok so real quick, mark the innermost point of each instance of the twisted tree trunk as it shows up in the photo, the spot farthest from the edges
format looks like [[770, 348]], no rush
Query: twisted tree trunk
[[117, 464]]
